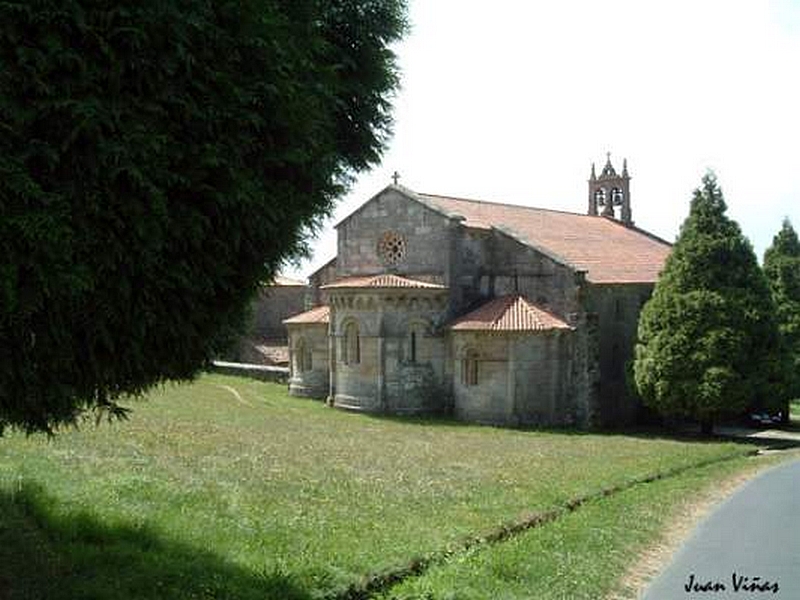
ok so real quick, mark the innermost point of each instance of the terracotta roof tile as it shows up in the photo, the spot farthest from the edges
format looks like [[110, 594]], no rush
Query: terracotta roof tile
[[381, 281], [319, 314], [508, 313], [607, 250]]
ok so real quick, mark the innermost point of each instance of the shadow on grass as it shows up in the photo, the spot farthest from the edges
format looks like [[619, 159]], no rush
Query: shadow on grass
[[47, 555], [676, 433]]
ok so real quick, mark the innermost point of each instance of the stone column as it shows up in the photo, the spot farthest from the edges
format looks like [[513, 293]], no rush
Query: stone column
[[512, 418], [381, 359], [331, 360], [291, 357]]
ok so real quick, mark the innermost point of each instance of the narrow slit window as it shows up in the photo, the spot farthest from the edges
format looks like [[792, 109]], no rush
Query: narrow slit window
[[351, 345], [469, 368]]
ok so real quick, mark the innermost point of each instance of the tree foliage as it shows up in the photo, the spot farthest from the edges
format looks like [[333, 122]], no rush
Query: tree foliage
[[782, 268], [707, 339], [157, 160]]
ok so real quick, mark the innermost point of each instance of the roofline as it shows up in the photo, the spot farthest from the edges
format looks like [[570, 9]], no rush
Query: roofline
[[412, 195], [325, 266], [383, 288], [420, 198], [521, 240], [551, 210], [651, 235], [288, 320], [624, 282], [447, 214], [519, 332], [644, 232], [453, 323], [505, 231], [551, 255], [391, 186]]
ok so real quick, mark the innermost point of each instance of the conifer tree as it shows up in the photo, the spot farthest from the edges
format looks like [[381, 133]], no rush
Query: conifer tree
[[158, 160], [707, 338], [782, 268]]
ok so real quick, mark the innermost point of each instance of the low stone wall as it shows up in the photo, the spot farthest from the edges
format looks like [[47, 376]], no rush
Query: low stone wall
[[262, 372]]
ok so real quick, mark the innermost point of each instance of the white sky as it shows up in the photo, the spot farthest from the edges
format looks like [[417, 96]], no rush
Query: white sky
[[512, 100]]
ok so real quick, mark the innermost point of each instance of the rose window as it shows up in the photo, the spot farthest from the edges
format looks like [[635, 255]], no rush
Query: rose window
[[392, 247]]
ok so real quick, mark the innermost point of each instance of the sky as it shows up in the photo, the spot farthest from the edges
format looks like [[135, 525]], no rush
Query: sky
[[513, 100]]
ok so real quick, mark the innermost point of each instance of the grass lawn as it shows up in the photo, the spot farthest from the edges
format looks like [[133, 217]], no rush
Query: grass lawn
[[228, 488], [580, 556]]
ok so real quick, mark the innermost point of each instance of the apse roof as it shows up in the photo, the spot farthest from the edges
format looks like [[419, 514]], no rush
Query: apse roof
[[508, 313], [385, 280], [318, 314]]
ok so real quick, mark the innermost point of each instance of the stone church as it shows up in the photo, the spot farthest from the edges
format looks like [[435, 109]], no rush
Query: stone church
[[491, 312]]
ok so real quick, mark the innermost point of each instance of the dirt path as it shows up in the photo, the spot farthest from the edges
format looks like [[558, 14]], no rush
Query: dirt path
[[235, 393]]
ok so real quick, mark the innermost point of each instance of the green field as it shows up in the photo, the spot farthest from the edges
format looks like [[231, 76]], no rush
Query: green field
[[228, 488]]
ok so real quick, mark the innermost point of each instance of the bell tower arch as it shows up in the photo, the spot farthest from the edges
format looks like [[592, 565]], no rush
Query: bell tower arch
[[611, 191]]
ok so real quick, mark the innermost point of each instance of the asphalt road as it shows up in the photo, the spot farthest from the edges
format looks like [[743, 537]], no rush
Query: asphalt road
[[749, 547]]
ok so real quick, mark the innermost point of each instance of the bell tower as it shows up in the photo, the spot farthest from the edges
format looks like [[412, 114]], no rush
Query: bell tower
[[609, 191]]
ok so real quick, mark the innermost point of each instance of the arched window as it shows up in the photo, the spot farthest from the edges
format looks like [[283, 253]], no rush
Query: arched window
[[412, 346], [302, 357], [616, 196], [600, 197], [469, 368], [351, 344]]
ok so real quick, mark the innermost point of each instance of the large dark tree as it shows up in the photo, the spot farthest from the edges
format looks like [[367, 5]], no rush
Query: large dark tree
[[782, 268], [708, 340], [158, 159]]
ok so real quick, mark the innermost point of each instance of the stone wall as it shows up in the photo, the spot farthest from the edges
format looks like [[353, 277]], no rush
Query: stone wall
[[616, 309], [426, 234], [544, 386], [272, 305], [309, 380], [356, 385], [524, 378], [387, 378], [557, 378], [323, 276], [261, 372], [490, 263], [489, 401], [517, 268], [414, 383], [476, 264]]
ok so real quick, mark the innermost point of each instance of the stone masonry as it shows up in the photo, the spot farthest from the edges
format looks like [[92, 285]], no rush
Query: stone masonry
[[491, 312]]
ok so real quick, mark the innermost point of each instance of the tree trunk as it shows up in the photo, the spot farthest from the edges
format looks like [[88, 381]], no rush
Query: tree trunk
[[707, 425]]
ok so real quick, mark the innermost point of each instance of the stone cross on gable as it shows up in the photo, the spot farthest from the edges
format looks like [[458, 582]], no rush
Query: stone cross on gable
[[395, 177]]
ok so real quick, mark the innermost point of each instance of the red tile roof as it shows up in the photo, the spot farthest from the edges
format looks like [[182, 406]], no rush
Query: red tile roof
[[319, 314], [508, 313], [381, 281], [606, 249]]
